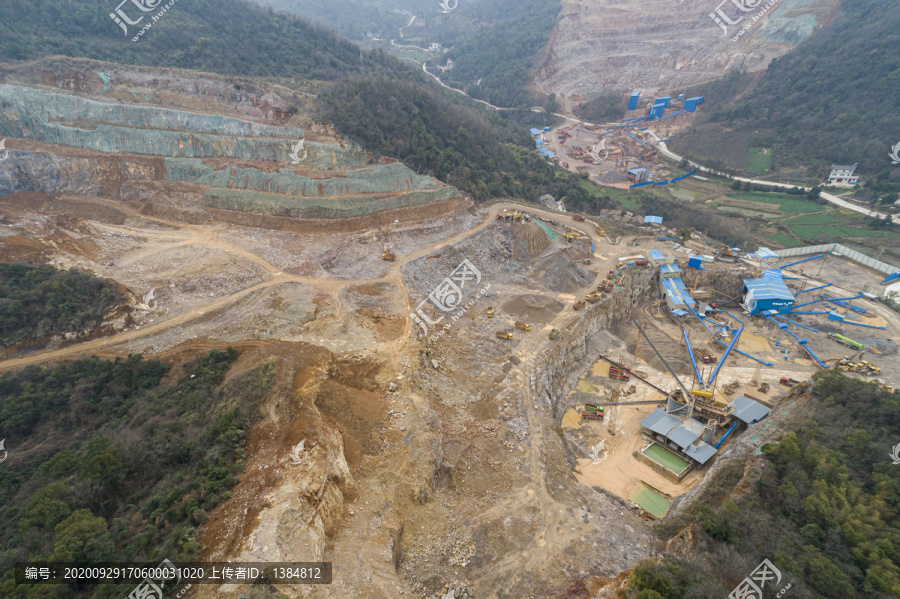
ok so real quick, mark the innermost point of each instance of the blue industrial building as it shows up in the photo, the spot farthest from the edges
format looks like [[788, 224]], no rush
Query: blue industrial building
[[633, 102], [767, 293], [664, 100], [656, 111], [535, 132], [691, 104]]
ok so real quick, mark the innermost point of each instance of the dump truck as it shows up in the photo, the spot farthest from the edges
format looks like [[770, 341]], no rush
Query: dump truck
[[523, 325], [578, 305], [614, 373], [594, 297], [554, 333], [704, 356], [611, 275], [389, 256], [591, 407], [504, 335], [578, 218], [788, 382], [600, 231], [490, 312], [592, 416]]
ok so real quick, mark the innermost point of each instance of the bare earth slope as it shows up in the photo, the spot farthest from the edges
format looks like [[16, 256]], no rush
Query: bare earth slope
[[642, 44]]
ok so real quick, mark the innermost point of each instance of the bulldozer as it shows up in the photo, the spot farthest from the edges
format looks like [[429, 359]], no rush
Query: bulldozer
[[490, 312], [523, 325], [389, 256], [504, 335]]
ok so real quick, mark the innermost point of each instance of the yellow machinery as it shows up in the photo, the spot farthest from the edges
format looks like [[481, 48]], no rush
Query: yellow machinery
[[389, 256], [504, 335], [594, 297], [523, 325], [490, 312]]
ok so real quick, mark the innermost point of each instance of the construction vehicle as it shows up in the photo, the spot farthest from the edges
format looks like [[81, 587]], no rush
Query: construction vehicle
[[389, 256], [578, 305], [763, 388], [611, 275], [490, 312], [592, 407], [846, 341], [578, 218], [600, 231], [504, 335], [523, 325], [586, 261], [867, 369], [730, 388], [592, 415], [554, 333], [594, 297], [788, 382], [616, 373], [704, 356]]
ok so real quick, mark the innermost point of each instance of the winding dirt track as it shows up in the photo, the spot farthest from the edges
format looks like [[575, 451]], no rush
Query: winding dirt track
[[187, 234]]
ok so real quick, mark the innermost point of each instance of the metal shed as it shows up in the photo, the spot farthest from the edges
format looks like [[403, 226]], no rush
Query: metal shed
[[748, 410]]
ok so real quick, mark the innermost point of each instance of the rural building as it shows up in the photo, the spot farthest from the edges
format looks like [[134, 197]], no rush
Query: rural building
[[843, 175], [767, 293], [653, 220], [669, 429]]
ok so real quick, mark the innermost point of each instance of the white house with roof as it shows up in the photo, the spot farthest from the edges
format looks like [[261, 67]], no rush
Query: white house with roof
[[842, 176]]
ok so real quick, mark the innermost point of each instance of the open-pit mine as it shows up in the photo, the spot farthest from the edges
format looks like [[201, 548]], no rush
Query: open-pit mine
[[441, 422]]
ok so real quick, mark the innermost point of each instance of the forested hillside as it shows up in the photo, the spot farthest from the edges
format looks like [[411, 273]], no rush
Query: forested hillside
[[825, 507], [110, 462], [234, 37], [834, 99], [38, 301], [495, 47], [433, 135]]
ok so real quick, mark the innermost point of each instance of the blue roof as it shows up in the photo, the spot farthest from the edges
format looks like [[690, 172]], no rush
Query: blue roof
[[657, 220], [636, 92], [677, 292], [535, 131], [678, 312], [635, 171], [546, 152], [538, 142], [656, 255], [748, 410], [669, 268], [768, 287], [764, 252], [682, 434]]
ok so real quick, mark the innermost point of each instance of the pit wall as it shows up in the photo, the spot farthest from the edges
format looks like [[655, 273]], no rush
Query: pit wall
[[380, 178], [570, 351], [67, 120], [312, 207]]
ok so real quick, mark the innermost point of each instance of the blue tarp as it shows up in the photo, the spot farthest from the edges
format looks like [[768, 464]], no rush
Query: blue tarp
[[655, 220]]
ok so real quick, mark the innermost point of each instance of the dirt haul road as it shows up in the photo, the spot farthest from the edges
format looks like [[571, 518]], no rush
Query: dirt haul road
[[187, 234]]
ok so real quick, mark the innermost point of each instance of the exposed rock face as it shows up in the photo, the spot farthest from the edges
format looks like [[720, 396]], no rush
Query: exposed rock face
[[626, 44]]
